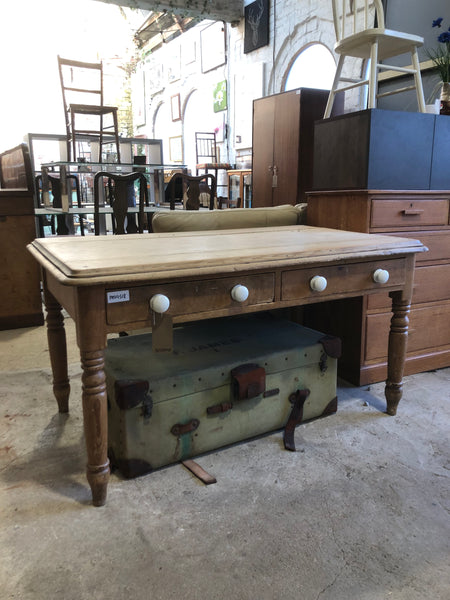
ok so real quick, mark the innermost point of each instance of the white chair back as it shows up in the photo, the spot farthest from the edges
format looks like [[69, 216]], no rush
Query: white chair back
[[354, 16]]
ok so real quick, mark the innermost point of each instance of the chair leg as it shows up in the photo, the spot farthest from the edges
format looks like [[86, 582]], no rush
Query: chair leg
[[418, 81], [330, 102], [74, 148], [116, 132], [68, 148], [373, 76], [79, 204], [101, 140]]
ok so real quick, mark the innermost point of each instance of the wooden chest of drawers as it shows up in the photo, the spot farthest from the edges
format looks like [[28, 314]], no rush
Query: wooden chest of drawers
[[363, 323], [21, 303]]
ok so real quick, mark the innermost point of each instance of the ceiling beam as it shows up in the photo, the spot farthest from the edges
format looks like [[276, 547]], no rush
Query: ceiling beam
[[230, 11]]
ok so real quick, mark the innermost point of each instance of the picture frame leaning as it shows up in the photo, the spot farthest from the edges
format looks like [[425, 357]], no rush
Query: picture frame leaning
[[212, 46], [175, 106], [176, 149]]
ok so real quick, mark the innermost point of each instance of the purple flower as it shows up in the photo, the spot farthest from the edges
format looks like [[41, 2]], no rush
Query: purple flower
[[444, 38], [440, 56]]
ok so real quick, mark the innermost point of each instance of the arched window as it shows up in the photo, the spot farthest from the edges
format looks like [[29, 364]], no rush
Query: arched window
[[199, 116], [314, 67]]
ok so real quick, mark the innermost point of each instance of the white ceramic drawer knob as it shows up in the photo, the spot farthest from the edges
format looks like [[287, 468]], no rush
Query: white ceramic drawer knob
[[239, 293], [380, 276], [318, 283], [159, 303]]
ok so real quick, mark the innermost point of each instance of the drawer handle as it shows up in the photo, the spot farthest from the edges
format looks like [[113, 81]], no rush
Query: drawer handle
[[411, 212], [380, 276], [239, 293], [159, 303], [318, 283]]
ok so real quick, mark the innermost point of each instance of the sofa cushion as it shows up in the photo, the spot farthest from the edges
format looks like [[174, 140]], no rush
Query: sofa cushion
[[229, 218]]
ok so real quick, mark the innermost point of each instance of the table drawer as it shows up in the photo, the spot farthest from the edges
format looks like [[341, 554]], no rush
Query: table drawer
[[296, 284], [409, 213], [188, 297]]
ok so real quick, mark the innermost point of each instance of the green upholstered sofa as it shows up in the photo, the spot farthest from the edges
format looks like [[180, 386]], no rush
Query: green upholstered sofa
[[230, 218]]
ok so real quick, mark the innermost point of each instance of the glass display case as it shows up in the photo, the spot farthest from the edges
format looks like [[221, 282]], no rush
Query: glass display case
[[240, 187], [45, 148], [48, 153]]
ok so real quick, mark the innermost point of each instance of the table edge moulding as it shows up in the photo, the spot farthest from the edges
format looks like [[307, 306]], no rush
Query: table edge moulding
[[196, 272]]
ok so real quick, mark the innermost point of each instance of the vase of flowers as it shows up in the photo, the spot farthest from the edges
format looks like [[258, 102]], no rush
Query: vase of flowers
[[441, 59]]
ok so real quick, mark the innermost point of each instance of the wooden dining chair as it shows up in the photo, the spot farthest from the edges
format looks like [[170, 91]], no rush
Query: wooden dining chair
[[361, 33], [118, 191], [63, 226], [82, 91], [195, 190]]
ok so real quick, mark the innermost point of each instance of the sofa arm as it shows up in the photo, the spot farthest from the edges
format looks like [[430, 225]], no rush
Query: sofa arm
[[301, 208]]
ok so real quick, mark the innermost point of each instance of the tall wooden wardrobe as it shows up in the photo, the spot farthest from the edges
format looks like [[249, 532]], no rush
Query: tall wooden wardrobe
[[283, 129]]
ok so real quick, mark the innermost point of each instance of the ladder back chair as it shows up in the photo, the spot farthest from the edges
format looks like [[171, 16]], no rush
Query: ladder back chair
[[207, 156], [84, 109], [205, 150], [361, 33], [119, 192]]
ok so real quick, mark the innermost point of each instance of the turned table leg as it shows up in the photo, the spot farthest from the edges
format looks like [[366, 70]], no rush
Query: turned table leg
[[398, 337], [56, 336], [95, 423]]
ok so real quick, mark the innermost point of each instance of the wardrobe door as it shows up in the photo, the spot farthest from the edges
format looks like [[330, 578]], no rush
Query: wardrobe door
[[263, 137], [286, 148]]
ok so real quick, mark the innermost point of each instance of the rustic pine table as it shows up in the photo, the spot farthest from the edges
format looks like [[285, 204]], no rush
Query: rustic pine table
[[113, 283]]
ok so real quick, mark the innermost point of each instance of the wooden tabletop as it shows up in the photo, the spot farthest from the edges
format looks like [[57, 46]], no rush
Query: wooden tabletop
[[101, 259]]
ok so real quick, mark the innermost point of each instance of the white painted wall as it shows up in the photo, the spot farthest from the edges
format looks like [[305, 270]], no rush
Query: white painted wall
[[176, 68]]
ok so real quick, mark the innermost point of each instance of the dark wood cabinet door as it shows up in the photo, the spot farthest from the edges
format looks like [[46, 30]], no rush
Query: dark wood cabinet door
[[263, 134], [283, 130], [286, 148]]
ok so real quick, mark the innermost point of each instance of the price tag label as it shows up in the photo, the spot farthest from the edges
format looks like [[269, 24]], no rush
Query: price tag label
[[118, 296]]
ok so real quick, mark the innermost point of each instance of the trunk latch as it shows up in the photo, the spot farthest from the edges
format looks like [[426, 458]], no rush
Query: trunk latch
[[248, 381]]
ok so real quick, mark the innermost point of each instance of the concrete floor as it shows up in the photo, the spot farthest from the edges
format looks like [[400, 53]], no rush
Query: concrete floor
[[359, 512]]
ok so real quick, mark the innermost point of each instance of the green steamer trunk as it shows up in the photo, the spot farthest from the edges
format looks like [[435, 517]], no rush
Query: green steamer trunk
[[227, 380]]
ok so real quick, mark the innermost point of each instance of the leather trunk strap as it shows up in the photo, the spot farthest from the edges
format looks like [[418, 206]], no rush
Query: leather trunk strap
[[295, 418], [198, 471]]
